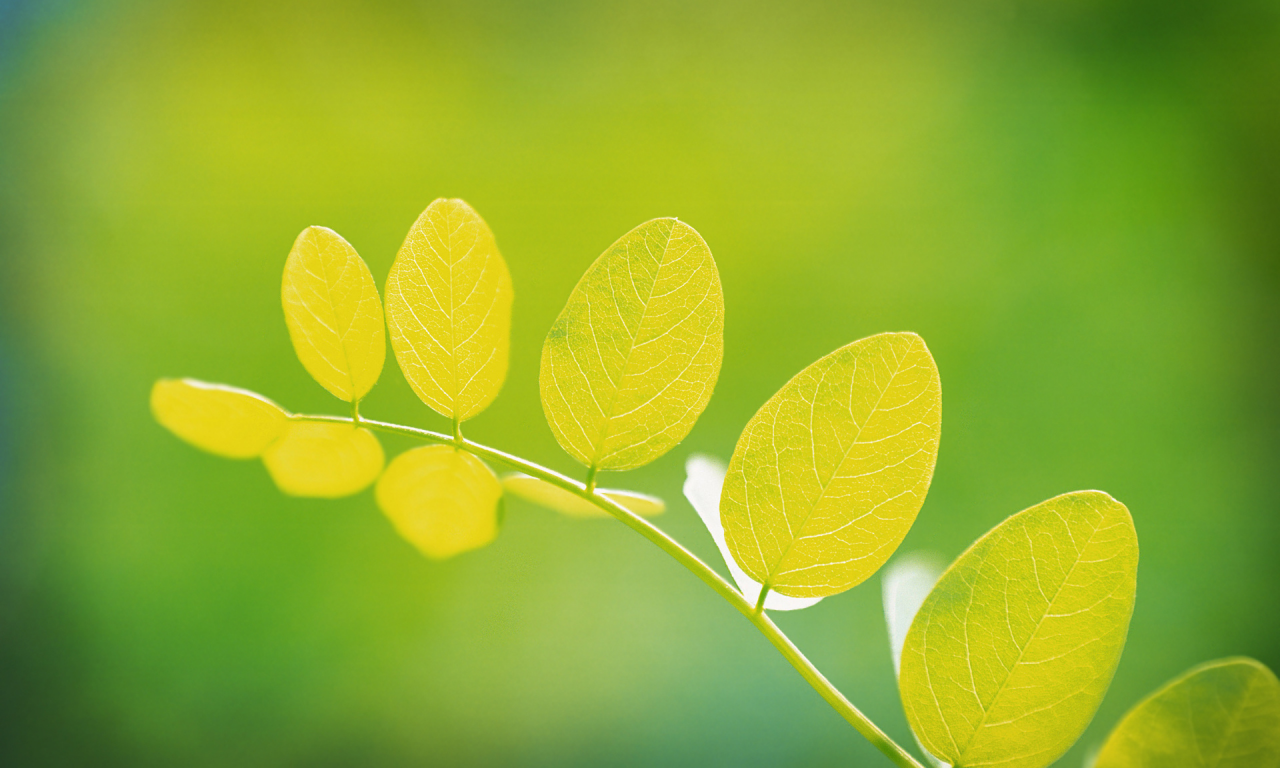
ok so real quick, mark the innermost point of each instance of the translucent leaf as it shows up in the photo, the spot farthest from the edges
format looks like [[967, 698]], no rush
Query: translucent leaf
[[552, 497], [1223, 714], [630, 363], [829, 474], [442, 500], [449, 310], [704, 476], [905, 584], [1011, 653], [325, 460], [334, 316], [224, 420]]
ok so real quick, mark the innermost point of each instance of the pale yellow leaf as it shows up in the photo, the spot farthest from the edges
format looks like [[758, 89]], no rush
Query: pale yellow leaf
[[442, 500], [1011, 653], [553, 497], [334, 316], [631, 361], [224, 420], [324, 459], [830, 473], [449, 310]]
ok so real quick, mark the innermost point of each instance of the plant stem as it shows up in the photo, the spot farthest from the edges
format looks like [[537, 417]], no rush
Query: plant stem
[[788, 649]]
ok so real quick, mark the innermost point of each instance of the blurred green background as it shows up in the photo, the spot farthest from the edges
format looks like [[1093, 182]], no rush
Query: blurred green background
[[1075, 202]]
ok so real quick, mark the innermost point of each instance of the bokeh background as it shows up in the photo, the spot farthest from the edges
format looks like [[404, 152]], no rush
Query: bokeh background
[[1076, 203]]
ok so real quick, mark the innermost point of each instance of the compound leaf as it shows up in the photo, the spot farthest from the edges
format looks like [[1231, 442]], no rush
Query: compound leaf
[[553, 497], [442, 500], [1222, 714], [230, 422], [829, 474], [325, 460], [1011, 653], [704, 477], [631, 360], [334, 316], [449, 310]]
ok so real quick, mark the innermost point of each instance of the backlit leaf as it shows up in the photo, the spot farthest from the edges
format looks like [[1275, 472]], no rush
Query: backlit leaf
[[224, 420], [704, 477], [449, 310], [444, 501], [905, 584], [334, 316], [326, 460], [553, 497], [1223, 714], [630, 363], [829, 474], [1011, 653]]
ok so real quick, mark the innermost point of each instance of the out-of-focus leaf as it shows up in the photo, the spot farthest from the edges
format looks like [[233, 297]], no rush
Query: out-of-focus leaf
[[230, 422], [325, 460], [442, 500], [905, 584], [552, 497], [632, 359]]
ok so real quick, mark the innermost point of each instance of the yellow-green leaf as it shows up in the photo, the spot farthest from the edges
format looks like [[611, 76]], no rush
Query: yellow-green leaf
[[325, 460], [1011, 653], [334, 316], [442, 500], [224, 420], [1223, 714], [630, 363], [449, 309], [829, 474], [553, 497]]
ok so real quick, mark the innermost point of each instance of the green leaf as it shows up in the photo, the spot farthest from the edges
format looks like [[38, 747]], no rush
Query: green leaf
[[224, 420], [829, 474], [1223, 714], [449, 310], [442, 500], [630, 363], [1011, 653], [324, 460], [550, 496], [334, 316]]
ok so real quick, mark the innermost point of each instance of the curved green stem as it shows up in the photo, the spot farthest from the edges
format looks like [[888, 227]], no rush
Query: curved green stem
[[788, 649]]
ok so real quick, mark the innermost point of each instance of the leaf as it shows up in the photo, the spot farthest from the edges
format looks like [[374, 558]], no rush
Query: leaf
[[905, 584], [442, 500], [553, 497], [322, 459], [704, 476], [334, 316], [1011, 653], [630, 363], [829, 474], [449, 310], [1223, 714], [230, 422]]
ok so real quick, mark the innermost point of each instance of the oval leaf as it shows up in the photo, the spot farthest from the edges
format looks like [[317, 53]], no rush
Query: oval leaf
[[550, 496], [704, 477], [334, 316], [1012, 651], [829, 474], [224, 420], [324, 460], [449, 310], [630, 363], [442, 500], [1223, 714]]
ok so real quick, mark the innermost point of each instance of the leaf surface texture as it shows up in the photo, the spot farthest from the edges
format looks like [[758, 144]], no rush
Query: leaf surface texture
[[230, 422], [442, 500]]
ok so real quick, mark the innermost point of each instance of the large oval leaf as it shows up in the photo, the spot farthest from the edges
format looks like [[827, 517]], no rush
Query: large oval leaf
[[324, 460], [1223, 714], [334, 316], [554, 497], [230, 422], [630, 363], [828, 476], [1011, 653], [442, 500], [449, 310]]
